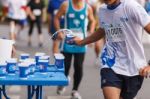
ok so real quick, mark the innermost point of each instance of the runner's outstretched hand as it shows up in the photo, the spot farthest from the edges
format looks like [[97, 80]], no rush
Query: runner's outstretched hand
[[145, 72]]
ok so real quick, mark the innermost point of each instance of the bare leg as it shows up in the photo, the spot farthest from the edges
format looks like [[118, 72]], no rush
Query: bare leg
[[40, 40], [12, 30], [111, 93]]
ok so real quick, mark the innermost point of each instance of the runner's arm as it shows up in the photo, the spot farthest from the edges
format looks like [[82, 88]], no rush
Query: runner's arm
[[147, 28], [100, 33], [60, 13], [91, 19]]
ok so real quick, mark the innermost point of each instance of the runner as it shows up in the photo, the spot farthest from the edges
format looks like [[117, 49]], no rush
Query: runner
[[53, 7], [77, 13], [123, 59], [36, 11], [17, 16]]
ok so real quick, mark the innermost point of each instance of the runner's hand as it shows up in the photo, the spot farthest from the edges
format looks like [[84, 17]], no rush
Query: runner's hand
[[58, 36], [33, 17], [145, 71], [75, 40]]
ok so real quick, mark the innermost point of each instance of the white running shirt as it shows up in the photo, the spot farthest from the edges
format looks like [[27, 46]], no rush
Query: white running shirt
[[14, 9], [123, 51]]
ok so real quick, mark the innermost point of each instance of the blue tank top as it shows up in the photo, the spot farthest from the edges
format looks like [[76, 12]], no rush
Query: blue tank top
[[76, 20]]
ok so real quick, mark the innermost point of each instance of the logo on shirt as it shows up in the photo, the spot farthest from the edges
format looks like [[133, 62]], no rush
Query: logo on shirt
[[71, 15], [76, 22], [82, 16]]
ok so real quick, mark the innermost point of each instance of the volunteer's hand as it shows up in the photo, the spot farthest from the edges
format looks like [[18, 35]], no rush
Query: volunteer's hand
[[145, 71], [75, 40]]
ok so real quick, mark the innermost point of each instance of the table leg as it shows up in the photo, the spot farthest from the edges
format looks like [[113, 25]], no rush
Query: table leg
[[37, 92], [0, 92], [40, 91], [29, 92], [32, 90], [4, 92]]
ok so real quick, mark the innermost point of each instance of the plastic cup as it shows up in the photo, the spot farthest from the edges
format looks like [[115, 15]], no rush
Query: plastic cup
[[43, 64], [31, 62], [23, 70], [45, 57], [24, 56], [3, 69], [68, 38], [11, 67], [37, 56], [32, 68], [59, 60]]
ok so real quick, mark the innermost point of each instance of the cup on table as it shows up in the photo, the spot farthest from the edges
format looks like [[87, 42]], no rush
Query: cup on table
[[23, 70], [43, 64], [24, 56], [37, 56], [32, 68], [3, 69], [11, 67], [32, 64], [45, 57], [59, 60]]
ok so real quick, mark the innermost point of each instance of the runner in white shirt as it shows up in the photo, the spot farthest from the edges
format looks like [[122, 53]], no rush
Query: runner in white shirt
[[123, 59], [17, 15]]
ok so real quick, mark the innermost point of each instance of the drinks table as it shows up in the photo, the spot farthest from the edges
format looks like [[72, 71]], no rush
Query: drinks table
[[34, 83]]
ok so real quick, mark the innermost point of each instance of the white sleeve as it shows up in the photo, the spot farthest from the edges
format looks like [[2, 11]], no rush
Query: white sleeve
[[138, 14]]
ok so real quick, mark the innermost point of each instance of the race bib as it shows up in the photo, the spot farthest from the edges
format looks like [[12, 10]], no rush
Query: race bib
[[37, 12], [115, 34]]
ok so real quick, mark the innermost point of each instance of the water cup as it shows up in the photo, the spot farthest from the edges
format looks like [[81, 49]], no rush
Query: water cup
[[3, 69], [32, 68], [31, 62], [23, 70], [45, 57], [37, 56], [59, 60], [68, 38], [24, 56], [11, 66], [43, 64]]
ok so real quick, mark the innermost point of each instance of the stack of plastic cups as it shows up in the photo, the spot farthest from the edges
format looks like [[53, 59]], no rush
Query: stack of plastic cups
[[32, 65], [23, 70], [32, 68], [45, 57], [59, 60], [43, 64], [11, 67], [37, 56], [3, 69], [24, 56]]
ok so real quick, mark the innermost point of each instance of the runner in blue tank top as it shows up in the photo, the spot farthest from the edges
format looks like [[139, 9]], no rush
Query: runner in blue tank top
[[77, 14], [53, 6]]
